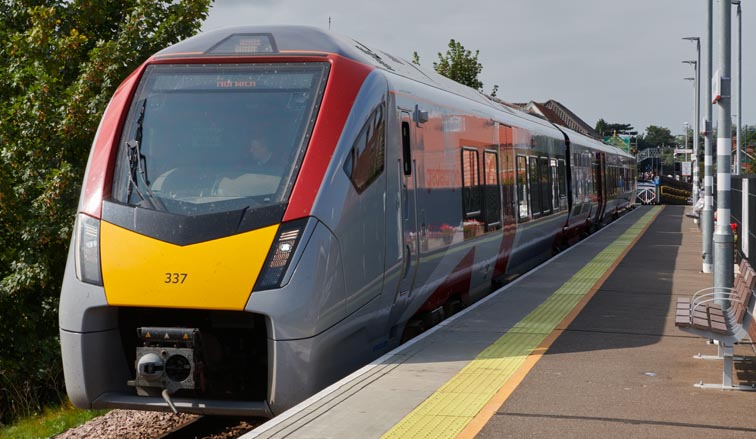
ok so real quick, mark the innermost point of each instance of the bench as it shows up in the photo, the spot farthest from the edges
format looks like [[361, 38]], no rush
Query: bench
[[701, 316]]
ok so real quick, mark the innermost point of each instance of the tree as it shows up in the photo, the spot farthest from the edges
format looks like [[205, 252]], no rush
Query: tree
[[460, 65], [658, 136], [415, 58], [606, 129], [609, 129], [62, 60]]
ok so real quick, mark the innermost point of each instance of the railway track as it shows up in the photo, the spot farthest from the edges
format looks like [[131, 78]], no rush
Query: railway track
[[213, 427]]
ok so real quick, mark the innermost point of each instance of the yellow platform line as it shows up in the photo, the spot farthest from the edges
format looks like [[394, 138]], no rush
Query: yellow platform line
[[462, 406]]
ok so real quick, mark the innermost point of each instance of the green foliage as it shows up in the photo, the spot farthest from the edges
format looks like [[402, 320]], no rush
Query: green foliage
[[609, 129], [460, 65], [658, 136], [49, 423], [625, 130], [62, 60]]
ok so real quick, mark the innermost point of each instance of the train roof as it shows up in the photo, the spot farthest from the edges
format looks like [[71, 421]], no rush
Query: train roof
[[292, 41], [581, 139], [289, 40], [281, 40]]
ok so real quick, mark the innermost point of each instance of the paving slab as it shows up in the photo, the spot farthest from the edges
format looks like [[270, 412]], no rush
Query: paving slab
[[617, 367], [621, 368]]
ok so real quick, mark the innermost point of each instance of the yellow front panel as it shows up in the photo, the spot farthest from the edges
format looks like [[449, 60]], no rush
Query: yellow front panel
[[141, 271]]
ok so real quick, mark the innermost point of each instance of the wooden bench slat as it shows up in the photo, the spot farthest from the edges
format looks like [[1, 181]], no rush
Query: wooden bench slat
[[705, 315], [717, 319], [716, 313], [701, 323], [701, 316], [719, 328]]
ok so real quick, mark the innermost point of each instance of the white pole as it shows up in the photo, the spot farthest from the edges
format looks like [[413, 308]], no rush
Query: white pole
[[723, 238]]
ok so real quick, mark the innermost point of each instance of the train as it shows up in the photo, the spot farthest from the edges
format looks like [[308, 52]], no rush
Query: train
[[268, 208]]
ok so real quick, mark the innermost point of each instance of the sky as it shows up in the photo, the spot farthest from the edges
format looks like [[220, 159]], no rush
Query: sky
[[620, 60]]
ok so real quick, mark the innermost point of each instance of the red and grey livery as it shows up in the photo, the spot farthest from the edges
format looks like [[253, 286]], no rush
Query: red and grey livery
[[206, 277]]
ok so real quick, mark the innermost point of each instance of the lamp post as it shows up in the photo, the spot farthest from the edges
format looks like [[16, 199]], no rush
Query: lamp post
[[697, 115], [723, 237], [694, 136], [707, 215], [739, 82], [685, 154]]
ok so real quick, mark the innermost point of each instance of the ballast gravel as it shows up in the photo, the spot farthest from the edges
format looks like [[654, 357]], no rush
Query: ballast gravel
[[127, 424]]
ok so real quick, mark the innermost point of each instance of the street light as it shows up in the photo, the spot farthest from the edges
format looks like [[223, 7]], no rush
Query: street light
[[707, 215], [697, 114], [685, 154], [694, 148], [739, 82], [723, 241]]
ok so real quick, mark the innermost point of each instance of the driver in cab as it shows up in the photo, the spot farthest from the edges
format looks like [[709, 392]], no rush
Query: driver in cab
[[260, 175]]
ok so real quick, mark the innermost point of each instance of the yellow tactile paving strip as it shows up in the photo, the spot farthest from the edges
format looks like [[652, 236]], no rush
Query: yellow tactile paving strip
[[446, 413]]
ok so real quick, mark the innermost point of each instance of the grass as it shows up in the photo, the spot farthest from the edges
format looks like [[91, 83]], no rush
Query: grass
[[51, 422]]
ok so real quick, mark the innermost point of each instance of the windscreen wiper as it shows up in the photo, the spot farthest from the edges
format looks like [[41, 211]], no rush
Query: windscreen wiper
[[136, 163]]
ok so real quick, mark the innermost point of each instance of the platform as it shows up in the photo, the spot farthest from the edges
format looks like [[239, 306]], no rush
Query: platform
[[582, 346]]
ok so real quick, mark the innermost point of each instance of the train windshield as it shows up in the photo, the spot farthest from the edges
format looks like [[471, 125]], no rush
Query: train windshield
[[213, 138]]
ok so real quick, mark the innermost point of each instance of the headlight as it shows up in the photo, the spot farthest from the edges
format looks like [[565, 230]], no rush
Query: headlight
[[87, 249], [280, 255]]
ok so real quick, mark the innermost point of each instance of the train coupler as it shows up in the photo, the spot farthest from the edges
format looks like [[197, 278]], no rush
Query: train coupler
[[168, 360]]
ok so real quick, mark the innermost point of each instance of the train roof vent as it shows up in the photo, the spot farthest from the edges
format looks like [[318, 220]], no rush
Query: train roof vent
[[251, 44]]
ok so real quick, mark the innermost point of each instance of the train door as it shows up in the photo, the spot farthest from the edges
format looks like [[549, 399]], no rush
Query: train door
[[408, 211], [599, 181], [510, 207], [491, 191]]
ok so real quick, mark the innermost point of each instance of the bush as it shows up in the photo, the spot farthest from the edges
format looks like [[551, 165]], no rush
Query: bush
[[62, 60]]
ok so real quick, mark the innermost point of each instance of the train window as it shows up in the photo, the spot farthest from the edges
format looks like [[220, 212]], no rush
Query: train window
[[523, 192], [588, 176], [471, 196], [406, 149], [555, 195], [577, 178], [508, 187], [562, 176], [562, 183], [618, 180], [364, 163], [545, 182], [593, 173], [535, 191], [204, 138], [491, 191]]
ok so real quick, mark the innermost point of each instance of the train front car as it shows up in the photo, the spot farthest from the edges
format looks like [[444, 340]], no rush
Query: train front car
[[195, 211]]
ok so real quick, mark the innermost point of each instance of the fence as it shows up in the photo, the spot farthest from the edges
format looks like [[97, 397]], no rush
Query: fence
[[743, 203], [669, 191]]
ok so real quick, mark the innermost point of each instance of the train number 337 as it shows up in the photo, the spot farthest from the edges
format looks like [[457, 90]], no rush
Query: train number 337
[[175, 278]]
